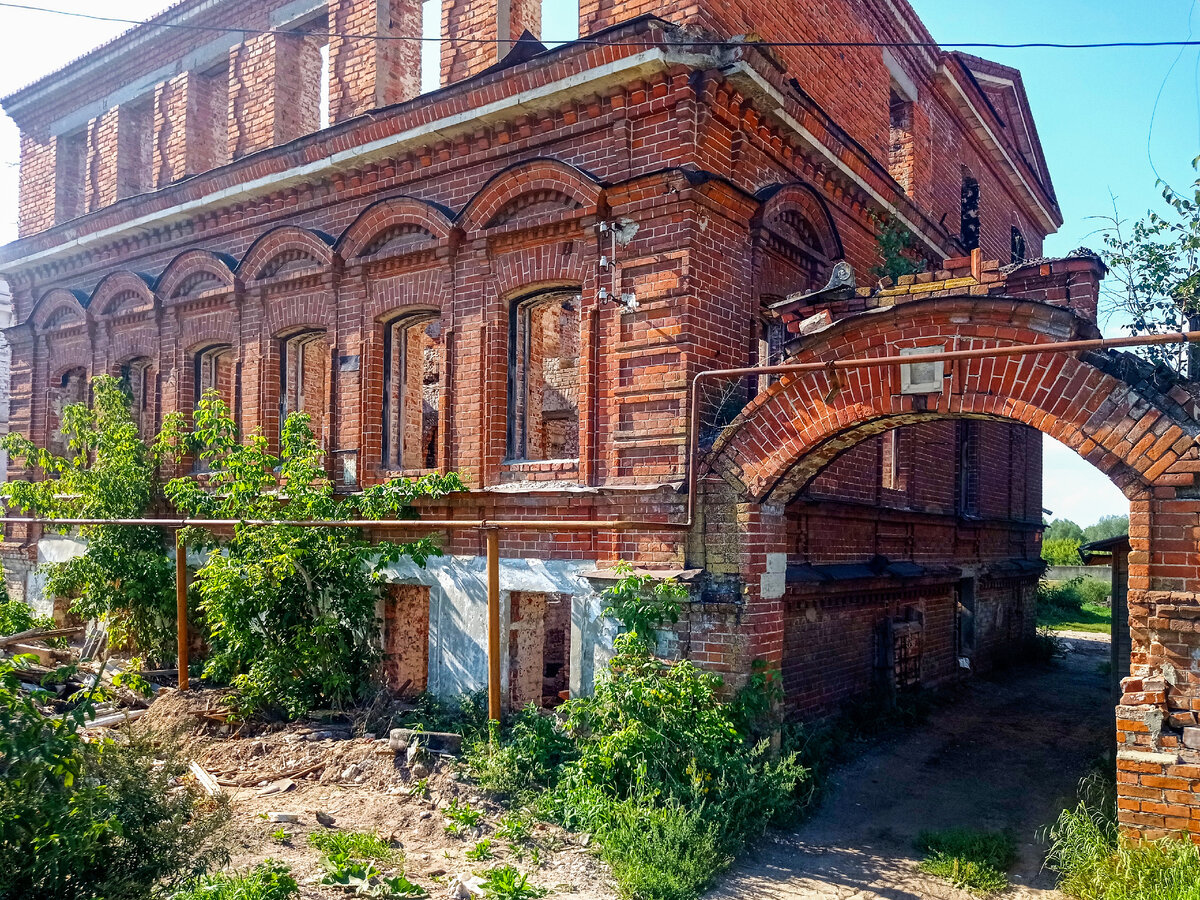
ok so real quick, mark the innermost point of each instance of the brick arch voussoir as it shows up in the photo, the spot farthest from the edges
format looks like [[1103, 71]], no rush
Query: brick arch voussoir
[[207, 329], [1134, 429], [288, 313], [194, 262], [533, 175], [426, 289], [114, 285], [139, 343], [778, 198], [389, 213], [56, 301], [285, 239], [546, 265]]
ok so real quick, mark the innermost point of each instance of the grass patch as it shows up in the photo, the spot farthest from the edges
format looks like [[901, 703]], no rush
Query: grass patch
[[971, 860], [1076, 605], [269, 880], [1091, 617], [352, 845], [1095, 863]]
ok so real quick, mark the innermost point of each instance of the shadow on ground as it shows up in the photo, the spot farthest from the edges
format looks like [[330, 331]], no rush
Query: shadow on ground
[[1007, 756]]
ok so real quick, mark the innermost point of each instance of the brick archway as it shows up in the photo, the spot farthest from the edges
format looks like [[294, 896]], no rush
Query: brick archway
[[1138, 425]]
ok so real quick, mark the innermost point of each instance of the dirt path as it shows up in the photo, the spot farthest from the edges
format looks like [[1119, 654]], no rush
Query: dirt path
[[1008, 755]]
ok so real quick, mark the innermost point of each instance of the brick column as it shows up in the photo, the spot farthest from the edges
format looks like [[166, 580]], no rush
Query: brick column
[[495, 23], [190, 123], [366, 75], [118, 155], [35, 211], [1158, 719], [274, 91]]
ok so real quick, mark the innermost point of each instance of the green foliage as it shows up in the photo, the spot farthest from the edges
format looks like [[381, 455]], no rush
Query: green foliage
[[1154, 263], [291, 610], [352, 844], [1106, 527], [896, 248], [1078, 604], [515, 826], [365, 879], [125, 576], [462, 816], [643, 603], [269, 880], [102, 817], [1061, 552], [670, 778], [506, 883], [132, 679], [971, 860], [1063, 528], [481, 852], [1095, 862], [16, 617], [466, 715]]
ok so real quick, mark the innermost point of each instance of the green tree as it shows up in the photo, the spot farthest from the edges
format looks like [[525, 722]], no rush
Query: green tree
[[1107, 527], [1063, 528], [125, 577], [896, 248], [1154, 263], [1063, 551], [290, 609]]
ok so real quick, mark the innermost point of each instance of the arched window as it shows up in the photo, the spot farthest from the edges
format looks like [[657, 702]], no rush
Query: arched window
[[543, 376], [139, 380], [214, 370], [303, 377], [414, 360], [71, 388]]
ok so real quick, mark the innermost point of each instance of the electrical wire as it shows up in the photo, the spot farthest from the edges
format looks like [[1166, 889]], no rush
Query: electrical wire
[[933, 45], [1158, 97]]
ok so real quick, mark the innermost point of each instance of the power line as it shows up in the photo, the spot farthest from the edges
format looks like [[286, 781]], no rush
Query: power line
[[892, 45]]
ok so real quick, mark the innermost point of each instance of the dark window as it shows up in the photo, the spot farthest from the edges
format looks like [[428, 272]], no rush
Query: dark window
[[543, 377], [303, 364], [1018, 246], [968, 468], [414, 356], [969, 213]]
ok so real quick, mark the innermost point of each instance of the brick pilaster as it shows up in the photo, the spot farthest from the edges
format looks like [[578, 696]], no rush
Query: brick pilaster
[[274, 91], [365, 75], [190, 122], [495, 23]]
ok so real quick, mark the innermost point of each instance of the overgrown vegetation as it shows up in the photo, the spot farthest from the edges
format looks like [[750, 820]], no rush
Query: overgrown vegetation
[[290, 610], [355, 844], [1095, 862], [16, 617], [667, 775], [93, 819], [1154, 270], [125, 577], [896, 248], [970, 860], [269, 880], [1079, 604], [349, 859]]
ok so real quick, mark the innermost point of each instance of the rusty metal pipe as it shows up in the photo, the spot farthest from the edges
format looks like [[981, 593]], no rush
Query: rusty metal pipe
[[867, 362], [378, 524], [181, 608], [493, 611]]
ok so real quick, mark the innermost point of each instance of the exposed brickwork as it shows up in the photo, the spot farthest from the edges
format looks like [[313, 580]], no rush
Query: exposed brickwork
[[847, 557]]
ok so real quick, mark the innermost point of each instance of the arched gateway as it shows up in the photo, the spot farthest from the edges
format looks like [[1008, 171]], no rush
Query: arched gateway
[[1137, 424]]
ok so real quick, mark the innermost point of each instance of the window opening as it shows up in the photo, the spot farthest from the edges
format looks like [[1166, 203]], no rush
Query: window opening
[[543, 382], [413, 373], [969, 213]]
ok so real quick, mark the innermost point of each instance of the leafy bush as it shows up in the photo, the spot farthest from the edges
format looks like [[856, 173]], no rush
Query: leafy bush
[[1061, 551], [506, 883], [290, 609], [1095, 862], [669, 777], [269, 880], [16, 617], [352, 844], [93, 819], [125, 576], [968, 859]]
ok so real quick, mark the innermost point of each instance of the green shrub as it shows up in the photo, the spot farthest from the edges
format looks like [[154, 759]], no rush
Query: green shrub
[[352, 844], [95, 819], [269, 880], [661, 852], [971, 860], [1095, 863], [291, 610], [16, 617]]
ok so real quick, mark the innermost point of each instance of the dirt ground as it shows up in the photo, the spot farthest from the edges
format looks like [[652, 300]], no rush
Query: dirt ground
[[362, 785], [1008, 755]]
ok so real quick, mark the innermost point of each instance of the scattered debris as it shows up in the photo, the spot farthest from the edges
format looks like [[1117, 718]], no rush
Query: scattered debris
[[205, 780]]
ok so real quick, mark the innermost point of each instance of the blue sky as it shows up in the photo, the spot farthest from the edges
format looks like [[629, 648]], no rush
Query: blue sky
[[1093, 110]]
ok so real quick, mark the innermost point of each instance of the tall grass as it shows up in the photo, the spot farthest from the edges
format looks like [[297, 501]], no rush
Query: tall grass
[[1095, 863]]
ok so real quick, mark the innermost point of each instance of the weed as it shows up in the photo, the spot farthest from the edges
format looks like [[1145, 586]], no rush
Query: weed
[[281, 835], [665, 853], [420, 788], [352, 845], [481, 852], [515, 826], [269, 880], [506, 883], [1095, 863], [971, 860], [462, 816], [364, 879]]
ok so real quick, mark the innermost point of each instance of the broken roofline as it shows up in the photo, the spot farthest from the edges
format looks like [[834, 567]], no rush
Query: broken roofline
[[753, 68]]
